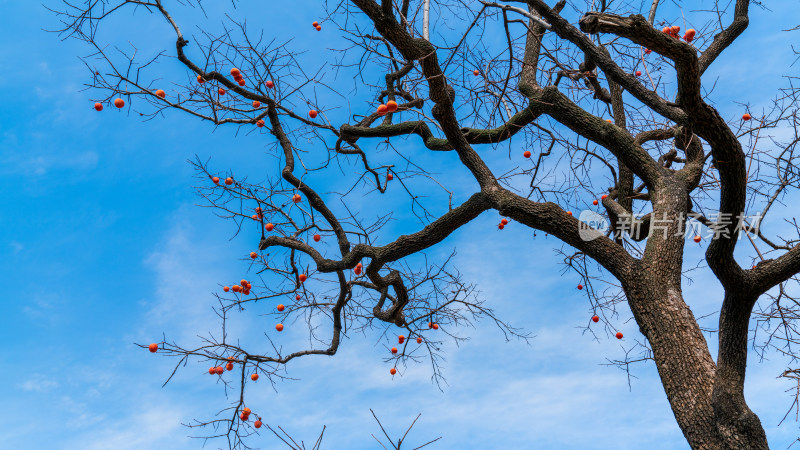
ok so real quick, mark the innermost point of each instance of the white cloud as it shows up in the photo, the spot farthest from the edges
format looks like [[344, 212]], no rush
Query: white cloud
[[150, 425], [39, 383], [187, 271], [16, 247], [48, 160]]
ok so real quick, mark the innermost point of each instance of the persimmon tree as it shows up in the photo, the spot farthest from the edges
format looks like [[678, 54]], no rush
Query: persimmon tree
[[608, 109]]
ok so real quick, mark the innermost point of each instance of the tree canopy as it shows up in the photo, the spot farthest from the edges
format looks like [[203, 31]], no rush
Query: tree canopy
[[590, 123]]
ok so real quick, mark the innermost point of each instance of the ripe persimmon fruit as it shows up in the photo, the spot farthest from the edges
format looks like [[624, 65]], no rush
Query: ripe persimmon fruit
[[401, 338], [279, 327], [382, 109], [393, 371], [98, 106], [256, 103], [527, 154], [281, 307], [161, 93], [269, 227], [269, 84], [302, 277], [595, 319], [394, 350], [317, 238], [619, 335], [229, 181], [254, 377], [119, 103], [391, 106], [215, 180], [153, 348], [312, 114]]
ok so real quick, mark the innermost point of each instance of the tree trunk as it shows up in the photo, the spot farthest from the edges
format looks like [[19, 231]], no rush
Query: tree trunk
[[681, 355], [708, 406], [738, 425]]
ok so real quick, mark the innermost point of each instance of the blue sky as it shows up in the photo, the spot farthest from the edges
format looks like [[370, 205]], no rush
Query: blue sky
[[102, 245]]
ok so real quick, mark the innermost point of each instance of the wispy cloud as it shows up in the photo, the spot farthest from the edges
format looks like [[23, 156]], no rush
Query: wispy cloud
[[39, 383], [149, 425], [190, 263], [46, 161]]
